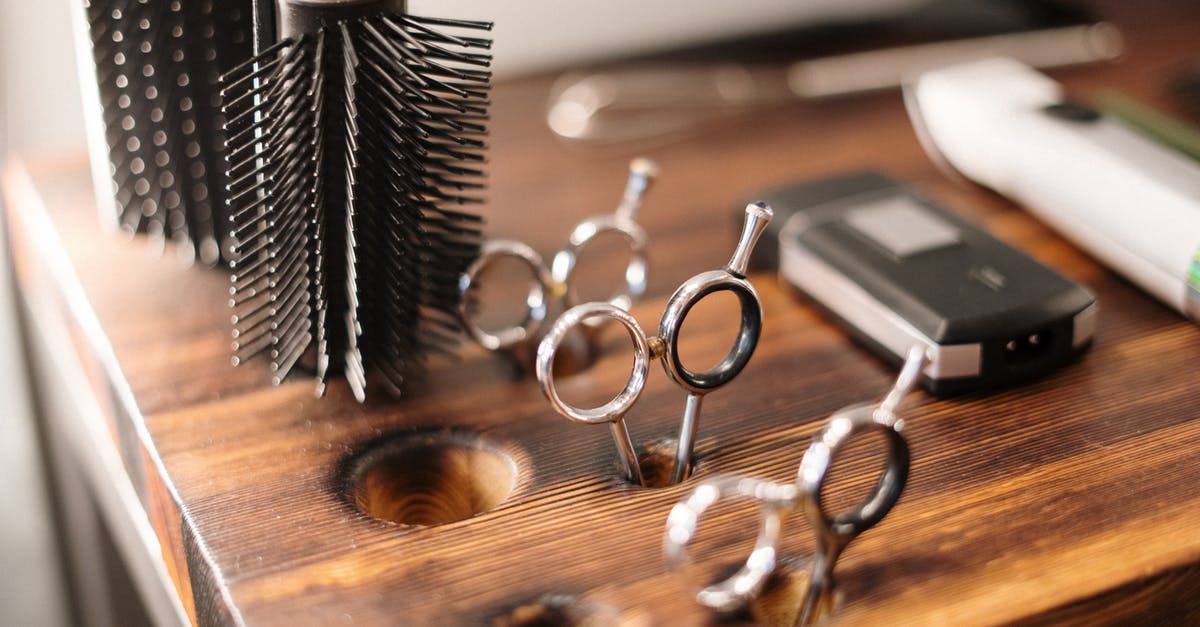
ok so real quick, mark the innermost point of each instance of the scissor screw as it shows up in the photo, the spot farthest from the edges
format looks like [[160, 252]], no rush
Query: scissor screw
[[658, 347]]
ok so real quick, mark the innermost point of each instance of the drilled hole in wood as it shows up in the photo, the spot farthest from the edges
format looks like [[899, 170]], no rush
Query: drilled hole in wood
[[783, 597], [431, 478], [558, 610], [657, 460], [781, 600]]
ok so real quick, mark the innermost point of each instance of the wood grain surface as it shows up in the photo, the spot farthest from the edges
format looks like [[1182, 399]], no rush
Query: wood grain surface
[[1072, 499]]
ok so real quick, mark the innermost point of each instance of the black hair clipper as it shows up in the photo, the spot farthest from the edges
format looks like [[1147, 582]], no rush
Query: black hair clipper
[[898, 271]]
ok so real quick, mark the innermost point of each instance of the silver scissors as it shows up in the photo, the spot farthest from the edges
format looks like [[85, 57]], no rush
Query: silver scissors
[[553, 282], [777, 501], [665, 346]]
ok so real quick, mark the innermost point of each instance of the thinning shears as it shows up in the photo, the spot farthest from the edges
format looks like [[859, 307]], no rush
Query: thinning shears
[[553, 282], [665, 346], [777, 501]]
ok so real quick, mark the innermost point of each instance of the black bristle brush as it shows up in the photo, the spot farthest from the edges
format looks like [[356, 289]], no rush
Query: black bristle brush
[[355, 139], [157, 65]]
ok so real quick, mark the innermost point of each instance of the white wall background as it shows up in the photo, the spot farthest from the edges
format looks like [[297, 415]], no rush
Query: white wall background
[[38, 62], [39, 112], [38, 81], [541, 35]]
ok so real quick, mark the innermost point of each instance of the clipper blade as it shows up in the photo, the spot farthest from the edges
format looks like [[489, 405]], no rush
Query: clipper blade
[[157, 66], [354, 144]]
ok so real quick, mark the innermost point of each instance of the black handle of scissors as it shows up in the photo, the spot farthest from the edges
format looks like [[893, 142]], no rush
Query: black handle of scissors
[[836, 532], [732, 278], [826, 445], [743, 347]]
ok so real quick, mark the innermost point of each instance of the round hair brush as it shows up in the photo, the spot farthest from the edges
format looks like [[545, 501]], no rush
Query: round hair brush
[[157, 65], [354, 144]]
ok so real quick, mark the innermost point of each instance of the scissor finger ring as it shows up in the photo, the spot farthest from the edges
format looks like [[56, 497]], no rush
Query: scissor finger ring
[[777, 501], [665, 345], [613, 411], [835, 532], [586, 232], [624, 400], [543, 286], [814, 467], [731, 278], [553, 283], [686, 297], [623, 222]]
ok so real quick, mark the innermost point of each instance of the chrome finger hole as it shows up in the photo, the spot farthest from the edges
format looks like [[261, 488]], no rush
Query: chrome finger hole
[[535, 305], [620, 404], [749, 330], [590, 233], [846, 429]]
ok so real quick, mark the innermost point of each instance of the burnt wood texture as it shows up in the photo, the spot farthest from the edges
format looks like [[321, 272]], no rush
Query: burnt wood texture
[[1072, 499]]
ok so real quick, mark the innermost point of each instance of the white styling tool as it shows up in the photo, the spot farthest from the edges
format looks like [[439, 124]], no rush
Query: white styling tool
[[1132, 203]]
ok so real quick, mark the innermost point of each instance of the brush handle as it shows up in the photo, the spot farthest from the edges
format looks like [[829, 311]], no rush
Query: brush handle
[[307, 17], [264, 25]]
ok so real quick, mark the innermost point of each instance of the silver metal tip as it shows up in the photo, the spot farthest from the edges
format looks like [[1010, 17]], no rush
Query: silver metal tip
[[644, 166], [760, 210], [758, 214]]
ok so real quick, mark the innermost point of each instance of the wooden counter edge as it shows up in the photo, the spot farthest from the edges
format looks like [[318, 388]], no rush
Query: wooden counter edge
[[102, 424]]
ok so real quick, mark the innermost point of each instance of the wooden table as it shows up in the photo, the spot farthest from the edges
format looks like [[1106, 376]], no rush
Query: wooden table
[[1071, 499]]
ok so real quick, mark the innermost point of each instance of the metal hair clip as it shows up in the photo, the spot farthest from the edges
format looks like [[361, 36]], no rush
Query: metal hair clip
[[778, 501], [554, 282], [665, 345]]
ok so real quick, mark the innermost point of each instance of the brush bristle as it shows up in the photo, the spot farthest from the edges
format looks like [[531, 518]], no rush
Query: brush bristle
[[158, 63], [352, 154]]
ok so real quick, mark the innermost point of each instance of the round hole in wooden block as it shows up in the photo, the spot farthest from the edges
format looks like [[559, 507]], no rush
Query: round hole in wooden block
[[657, 459], [431, 478], [782, 599], [558, 610]]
